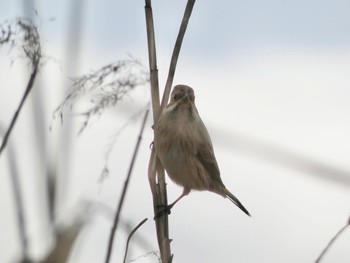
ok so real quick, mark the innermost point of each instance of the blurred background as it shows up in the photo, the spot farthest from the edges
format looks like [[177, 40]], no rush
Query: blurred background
[[272, 86]]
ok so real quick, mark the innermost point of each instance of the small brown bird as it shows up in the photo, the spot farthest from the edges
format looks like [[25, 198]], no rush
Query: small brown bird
[[185, 150]]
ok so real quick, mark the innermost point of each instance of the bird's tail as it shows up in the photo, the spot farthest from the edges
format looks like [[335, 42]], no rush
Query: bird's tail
[[235, 200]]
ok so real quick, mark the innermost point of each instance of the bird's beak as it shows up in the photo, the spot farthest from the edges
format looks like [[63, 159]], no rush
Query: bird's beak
[[185, 97]]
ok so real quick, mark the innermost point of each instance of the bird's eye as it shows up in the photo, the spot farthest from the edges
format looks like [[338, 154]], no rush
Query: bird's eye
[[177, 96]]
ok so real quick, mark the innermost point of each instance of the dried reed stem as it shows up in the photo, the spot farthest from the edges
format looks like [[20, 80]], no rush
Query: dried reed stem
[[126, 184], [157, 183]]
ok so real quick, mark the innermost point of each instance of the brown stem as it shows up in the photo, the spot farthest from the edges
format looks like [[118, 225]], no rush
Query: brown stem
[[15, 116], [331, 242], [176, 51], [159, 197], [129, 237], [126, 184], [159, 191]]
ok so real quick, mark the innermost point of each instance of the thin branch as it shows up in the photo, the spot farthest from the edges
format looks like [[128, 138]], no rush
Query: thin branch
[[24, 34], [159, 190], [126, 183], [154, 86], [129, 237], [332, 241], [109, 213], [155, 253], [161, 223], [28, 36], [15, 116], [176, 51], [113, 140], [107, 86], [152, 55]]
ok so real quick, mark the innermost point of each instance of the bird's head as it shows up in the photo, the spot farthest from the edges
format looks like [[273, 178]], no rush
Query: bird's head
[[182, 94], [182, 103]]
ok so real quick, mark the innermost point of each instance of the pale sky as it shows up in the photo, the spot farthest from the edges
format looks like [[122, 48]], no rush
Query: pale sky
[[272, 86]]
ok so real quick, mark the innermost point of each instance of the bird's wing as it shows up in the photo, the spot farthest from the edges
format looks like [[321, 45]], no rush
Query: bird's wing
[[205, 155]]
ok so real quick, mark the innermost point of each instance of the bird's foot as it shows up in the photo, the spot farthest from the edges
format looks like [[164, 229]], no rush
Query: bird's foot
[[163, 210]]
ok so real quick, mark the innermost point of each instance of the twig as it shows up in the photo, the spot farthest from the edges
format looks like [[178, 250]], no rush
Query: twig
[[152, 59], [158, 198], [30, 44], [107, 86], [15, 116], [129, 237], [126, 183], [155, 253], [176, 52], [24, 34], [113, 140], [332, 241], [159, 190]]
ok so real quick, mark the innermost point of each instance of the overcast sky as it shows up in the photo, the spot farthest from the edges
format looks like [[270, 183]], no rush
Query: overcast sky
[[272, 86]]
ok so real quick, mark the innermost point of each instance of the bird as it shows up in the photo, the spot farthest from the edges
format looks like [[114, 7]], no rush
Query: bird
[[184, 148]]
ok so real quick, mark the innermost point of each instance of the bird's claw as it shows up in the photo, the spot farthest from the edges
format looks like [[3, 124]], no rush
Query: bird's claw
[[163, 210]]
